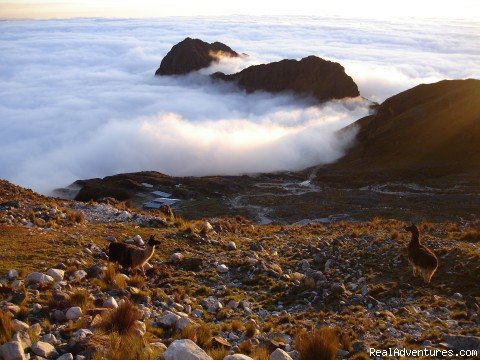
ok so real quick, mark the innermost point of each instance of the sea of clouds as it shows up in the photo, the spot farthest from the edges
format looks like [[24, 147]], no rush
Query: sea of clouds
[[78, 98]]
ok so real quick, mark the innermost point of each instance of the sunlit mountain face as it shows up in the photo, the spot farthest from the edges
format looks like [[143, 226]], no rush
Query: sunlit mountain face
[[79, 99]]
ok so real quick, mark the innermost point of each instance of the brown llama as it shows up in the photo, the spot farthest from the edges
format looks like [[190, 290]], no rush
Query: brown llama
[[422, 259]]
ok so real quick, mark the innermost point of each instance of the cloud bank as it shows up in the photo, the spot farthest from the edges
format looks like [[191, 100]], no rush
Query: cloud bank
[[78, 98]]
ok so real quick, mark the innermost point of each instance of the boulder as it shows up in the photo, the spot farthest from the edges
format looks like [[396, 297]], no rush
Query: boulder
[[176, 258], [168, 319], [463, 342], [44, 349], [192, 55], [110, 303], [67, 356], [12, 274], [324, 80], [39, 278], [222, 269], [12, 350], [74, 313], [18, 325], [185, 349], [279, 354], [56, 274], [237, 357]]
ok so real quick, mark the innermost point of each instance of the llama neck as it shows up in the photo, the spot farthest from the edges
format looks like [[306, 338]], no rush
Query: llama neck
[[415, 239], [149, 251]]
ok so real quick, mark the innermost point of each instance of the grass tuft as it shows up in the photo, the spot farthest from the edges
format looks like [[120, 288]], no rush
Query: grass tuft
[[122, 319], [321, 344], [6, 327]]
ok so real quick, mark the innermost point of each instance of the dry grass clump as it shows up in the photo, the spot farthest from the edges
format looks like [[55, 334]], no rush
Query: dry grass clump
[[123, 347], [218, 353], [471, 235], [237, 325], [136, 281], [200, 334], [6, 327], [80, 298], [250, 329], [319, 344], [75, 217], [122, 319]]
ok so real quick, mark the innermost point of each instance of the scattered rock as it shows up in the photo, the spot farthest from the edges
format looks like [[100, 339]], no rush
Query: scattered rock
[[110, 303], [463, 342], [12, 350], [12, 274], [73, 313], [237, 357], [39, 278], [222, 269], [44, 349], [279, 354], [56, 274], [185, 349], [176, 258]]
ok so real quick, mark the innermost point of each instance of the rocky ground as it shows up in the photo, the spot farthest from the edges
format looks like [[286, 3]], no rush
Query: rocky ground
[[225, 288]]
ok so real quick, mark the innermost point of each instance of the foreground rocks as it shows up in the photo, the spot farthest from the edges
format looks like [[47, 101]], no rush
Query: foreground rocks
[[192, 55], [203, 298]]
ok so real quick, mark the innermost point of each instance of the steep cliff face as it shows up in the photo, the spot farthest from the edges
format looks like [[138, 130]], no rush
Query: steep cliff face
[[325, 80], [192, 55]]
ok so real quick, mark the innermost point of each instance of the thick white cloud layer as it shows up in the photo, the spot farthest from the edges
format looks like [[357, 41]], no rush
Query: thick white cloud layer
[[78, 98]]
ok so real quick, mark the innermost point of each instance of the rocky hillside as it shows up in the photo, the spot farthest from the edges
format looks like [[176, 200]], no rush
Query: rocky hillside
[[431, 130], [324, 80], [225, 288], [192, 55]]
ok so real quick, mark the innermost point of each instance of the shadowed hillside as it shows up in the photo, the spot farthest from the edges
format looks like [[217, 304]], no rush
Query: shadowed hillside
[[429, 130]]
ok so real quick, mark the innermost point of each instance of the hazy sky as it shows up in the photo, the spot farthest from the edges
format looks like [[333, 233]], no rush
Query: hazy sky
[[458, 9]]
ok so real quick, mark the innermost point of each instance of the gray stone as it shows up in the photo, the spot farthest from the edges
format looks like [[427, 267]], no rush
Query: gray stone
[[74, 313], [237, 357], [12, 350], [222, 268], [462, 342], [185, 350], [279, 354], [44, 349], [56, 274], [39, 278], [66, 356]]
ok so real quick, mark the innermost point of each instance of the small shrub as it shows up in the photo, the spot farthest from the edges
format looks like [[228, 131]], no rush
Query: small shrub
[[204, 335], [237, 325], [218, 353], [320, 344], [394, 234], [136, 281], [110, 274], [472, 235], [245, 347], [259, 353], [250, 329], [122, 319], [6, 327], [80, 298], [123, 347], [199, 334]]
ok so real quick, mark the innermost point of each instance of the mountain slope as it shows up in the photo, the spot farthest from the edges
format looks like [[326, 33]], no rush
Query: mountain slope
[[429, 129]]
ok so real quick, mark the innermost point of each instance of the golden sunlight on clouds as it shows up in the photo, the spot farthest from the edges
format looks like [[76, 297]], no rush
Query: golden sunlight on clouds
[[460, 9]]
